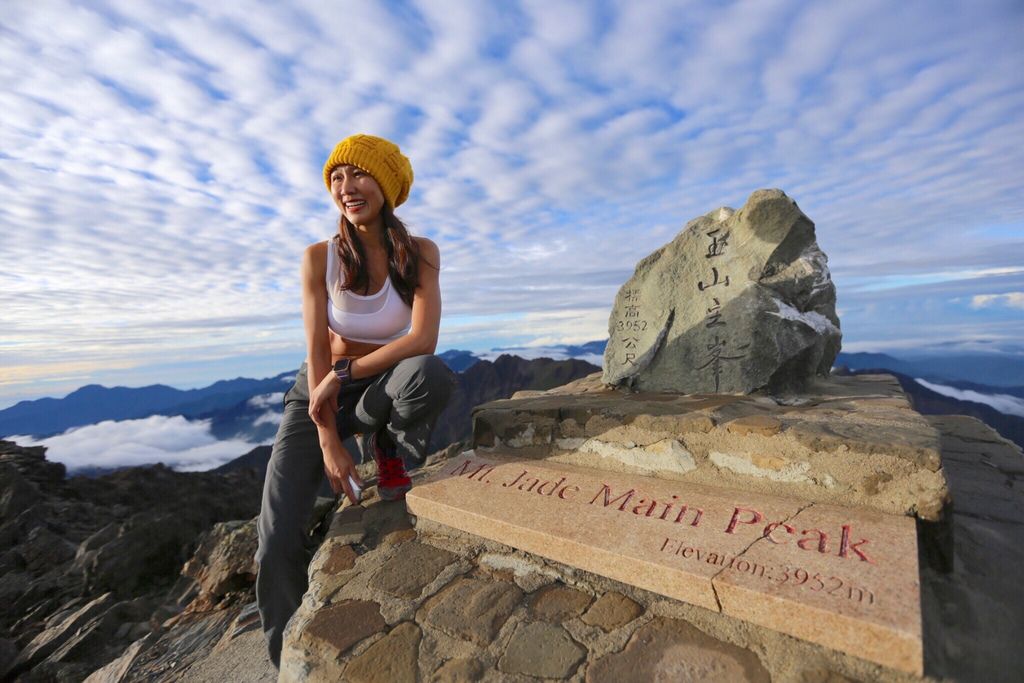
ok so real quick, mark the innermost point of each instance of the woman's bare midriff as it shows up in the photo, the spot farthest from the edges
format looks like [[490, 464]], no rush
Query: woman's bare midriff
[[346, 348]]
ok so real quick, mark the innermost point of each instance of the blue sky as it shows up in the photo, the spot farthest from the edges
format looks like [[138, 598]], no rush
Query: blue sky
[[160, 165]]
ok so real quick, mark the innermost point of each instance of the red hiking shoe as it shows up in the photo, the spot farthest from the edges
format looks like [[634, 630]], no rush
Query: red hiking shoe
[[392, 481]]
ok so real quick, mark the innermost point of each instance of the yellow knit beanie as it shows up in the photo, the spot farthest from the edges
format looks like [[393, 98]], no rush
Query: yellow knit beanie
[[378, 157]]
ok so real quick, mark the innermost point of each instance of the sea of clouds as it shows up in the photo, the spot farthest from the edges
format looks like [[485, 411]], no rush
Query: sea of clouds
[[181, 444], [1004, 403]]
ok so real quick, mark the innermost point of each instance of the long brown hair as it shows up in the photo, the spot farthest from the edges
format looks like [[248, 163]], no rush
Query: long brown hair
[[403, 256]]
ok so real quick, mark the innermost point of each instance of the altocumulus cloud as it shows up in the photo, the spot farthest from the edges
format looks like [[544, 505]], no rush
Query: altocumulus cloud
[[1011, 299], [176, 442], [161, 160]]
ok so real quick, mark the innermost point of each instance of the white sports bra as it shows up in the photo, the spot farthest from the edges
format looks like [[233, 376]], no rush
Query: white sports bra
[[377, 318]]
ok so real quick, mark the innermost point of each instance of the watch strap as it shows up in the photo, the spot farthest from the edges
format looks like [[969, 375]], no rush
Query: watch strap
[[343, 370]]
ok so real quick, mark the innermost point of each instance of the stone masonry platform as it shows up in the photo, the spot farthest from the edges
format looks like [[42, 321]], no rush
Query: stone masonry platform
[[396, 598], [852, 441], [846, 578]]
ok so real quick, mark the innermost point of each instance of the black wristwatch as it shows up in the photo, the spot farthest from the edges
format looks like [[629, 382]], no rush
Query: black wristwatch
[[343, 370]]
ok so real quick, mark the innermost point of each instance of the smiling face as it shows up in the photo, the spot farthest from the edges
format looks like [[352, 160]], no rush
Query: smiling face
[[356, 194]]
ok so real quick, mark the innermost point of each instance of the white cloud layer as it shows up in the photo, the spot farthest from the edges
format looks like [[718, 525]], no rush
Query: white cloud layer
[[1004, 403], [267, 400], [1010, 299], [160, 163], [183, 445]]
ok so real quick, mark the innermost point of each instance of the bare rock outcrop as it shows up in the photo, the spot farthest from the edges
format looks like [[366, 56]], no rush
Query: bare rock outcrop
[[87, 564], [738, 301]]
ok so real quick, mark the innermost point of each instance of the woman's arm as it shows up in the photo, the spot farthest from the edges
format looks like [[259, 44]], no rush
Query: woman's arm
[[337, 461], [314, 320]]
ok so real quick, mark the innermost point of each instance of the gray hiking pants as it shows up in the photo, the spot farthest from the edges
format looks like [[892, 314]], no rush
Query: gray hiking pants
[[405, 400]]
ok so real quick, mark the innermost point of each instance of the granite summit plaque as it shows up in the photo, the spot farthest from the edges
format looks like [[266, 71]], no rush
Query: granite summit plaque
[[845, 578]]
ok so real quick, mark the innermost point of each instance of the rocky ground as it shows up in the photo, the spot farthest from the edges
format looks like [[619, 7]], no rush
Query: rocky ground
[[394, 600], [398, 599], [89, 566]]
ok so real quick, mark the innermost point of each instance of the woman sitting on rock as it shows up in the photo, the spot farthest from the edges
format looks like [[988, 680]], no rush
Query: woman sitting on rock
[[371, 307]]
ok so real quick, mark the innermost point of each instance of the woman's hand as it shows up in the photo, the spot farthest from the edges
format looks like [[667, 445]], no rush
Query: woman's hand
[[338, 466], [325, 397]]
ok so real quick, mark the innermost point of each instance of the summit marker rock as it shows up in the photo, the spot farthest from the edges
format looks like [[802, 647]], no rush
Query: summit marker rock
[[738, 301]]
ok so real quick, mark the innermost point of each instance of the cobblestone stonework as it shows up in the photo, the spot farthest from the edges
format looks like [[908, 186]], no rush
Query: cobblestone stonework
[[393, 598]]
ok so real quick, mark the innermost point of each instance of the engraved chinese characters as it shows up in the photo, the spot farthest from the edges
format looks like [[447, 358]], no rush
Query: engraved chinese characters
[[736, 302], [716, 347], [631, 325]]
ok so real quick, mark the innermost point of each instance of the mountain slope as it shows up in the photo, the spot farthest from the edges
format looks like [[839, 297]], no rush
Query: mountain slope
[[996, 370], [458, 360], [95, 403]]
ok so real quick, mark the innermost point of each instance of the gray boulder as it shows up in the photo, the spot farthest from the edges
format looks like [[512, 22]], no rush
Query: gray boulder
[[738, 301]]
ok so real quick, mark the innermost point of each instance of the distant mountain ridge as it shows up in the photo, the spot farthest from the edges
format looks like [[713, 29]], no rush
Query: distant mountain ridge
[[458, 360], [994, 370], [592, 348], [227, 405], [95, 403]]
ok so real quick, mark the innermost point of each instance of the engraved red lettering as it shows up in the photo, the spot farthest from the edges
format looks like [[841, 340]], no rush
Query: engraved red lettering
[[530, 487], [820, 544], [563, 493], [478, 473], [698, 513], [845, 545], [772, 527], [554, 487], [639, 509], [513, 482], [608, 500], [757, 517]]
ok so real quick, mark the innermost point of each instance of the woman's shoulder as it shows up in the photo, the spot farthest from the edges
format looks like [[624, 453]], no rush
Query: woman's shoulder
[[427, 247], [314, 257], [318, 250]]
